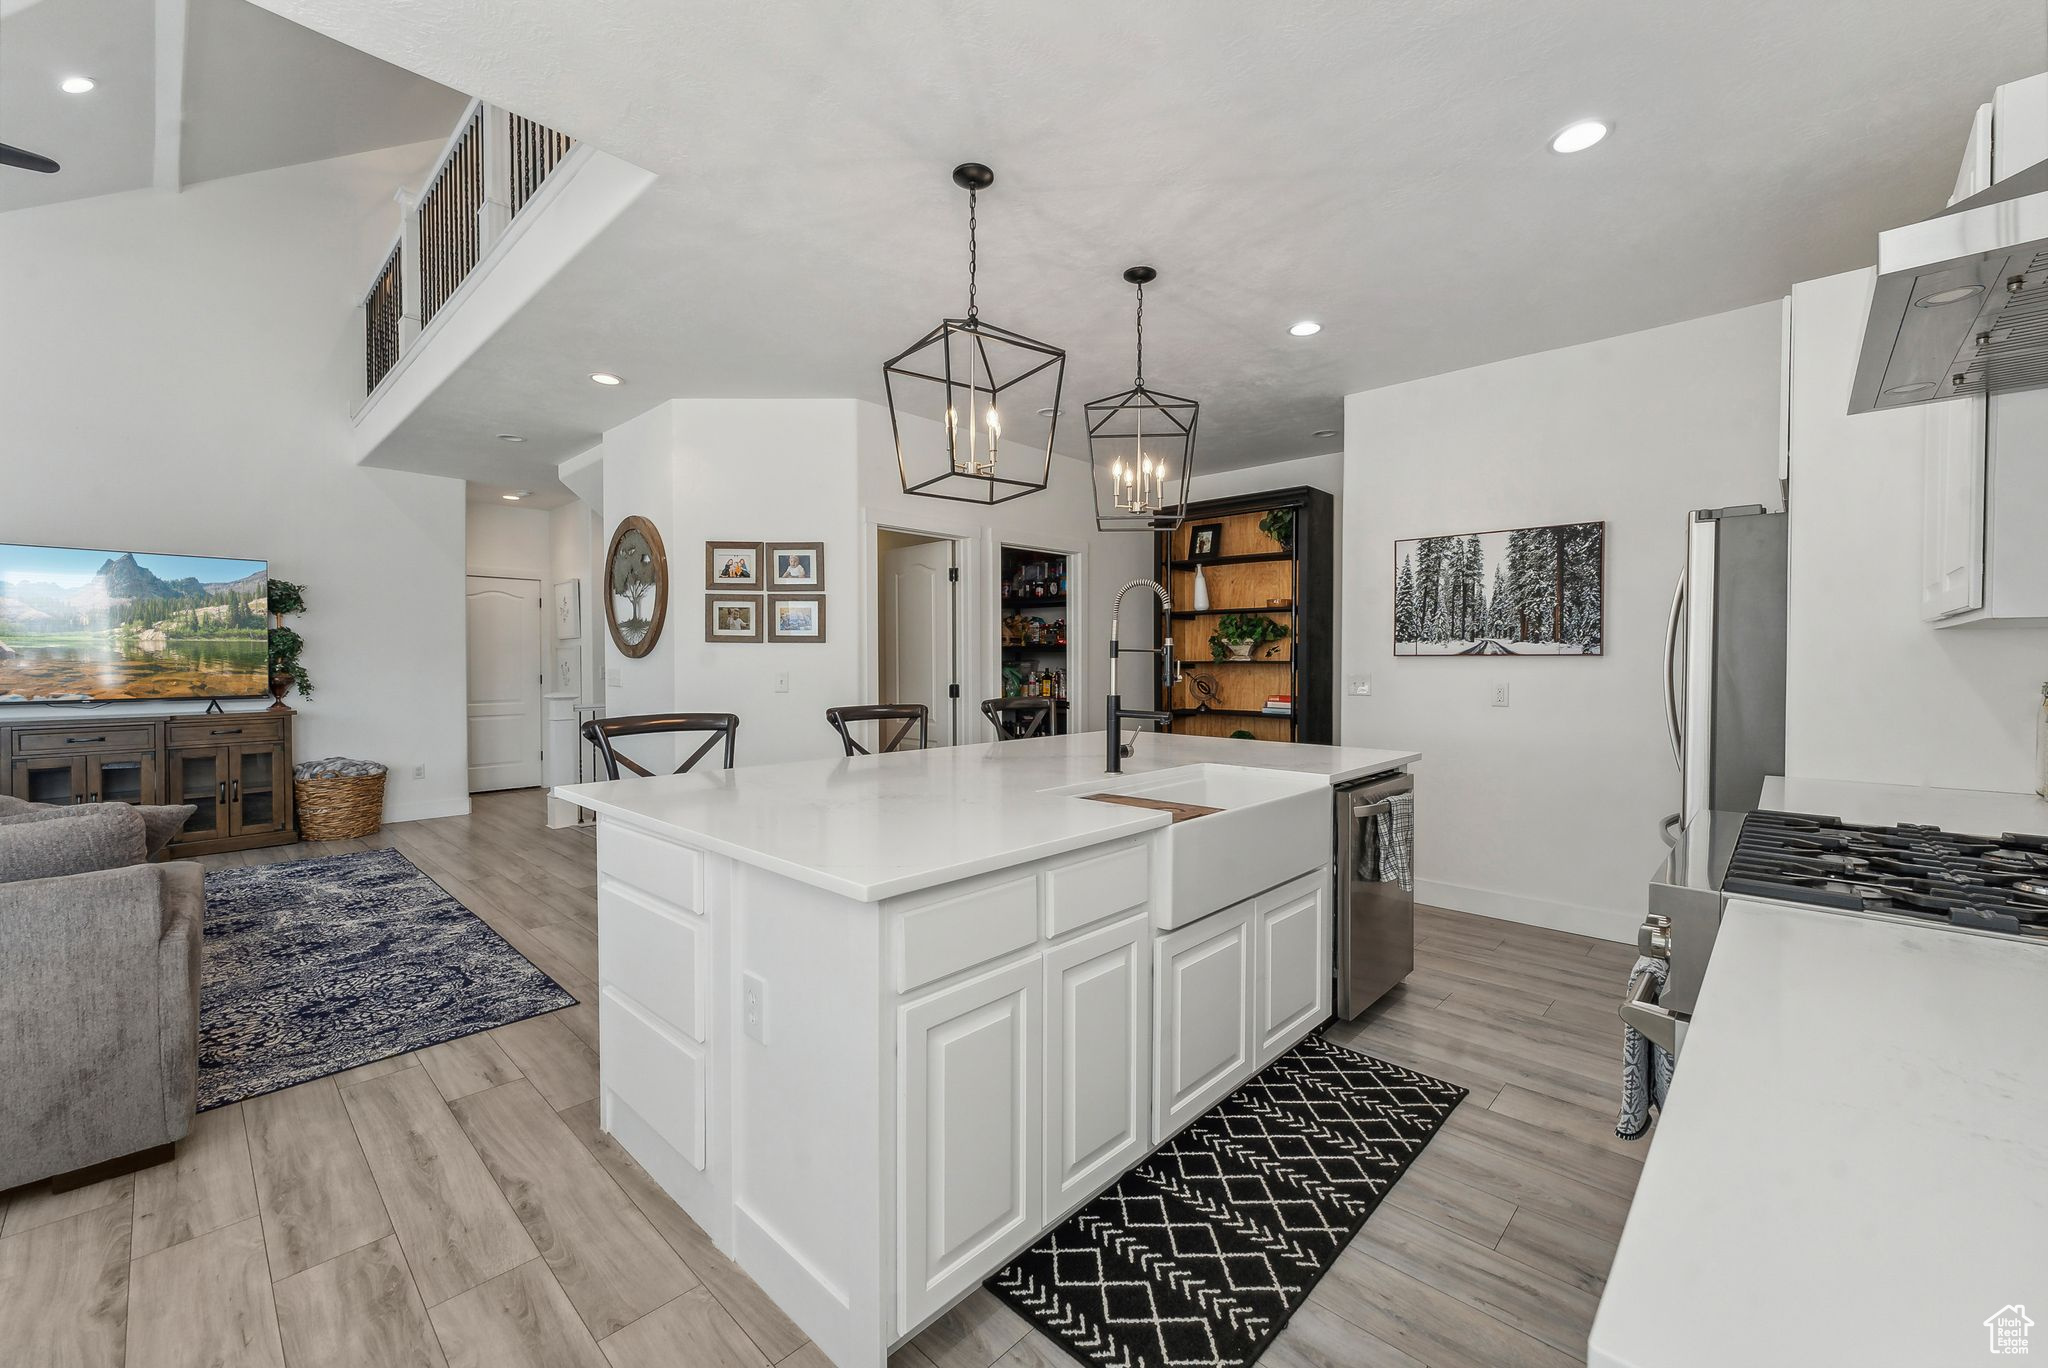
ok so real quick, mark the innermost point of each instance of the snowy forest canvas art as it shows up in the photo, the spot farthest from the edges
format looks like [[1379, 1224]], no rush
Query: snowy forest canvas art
[[1532, 591]]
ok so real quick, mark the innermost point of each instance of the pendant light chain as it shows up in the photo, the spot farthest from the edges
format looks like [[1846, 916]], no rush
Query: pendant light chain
[[972, 311], [1141, 336]]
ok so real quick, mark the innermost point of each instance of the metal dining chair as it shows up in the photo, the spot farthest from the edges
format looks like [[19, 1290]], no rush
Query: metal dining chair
[[911, 715], [602, 731], [1016, 718]]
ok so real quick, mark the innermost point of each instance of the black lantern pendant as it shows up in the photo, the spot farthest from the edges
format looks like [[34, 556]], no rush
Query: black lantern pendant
[[974, 406], [1141, 447]]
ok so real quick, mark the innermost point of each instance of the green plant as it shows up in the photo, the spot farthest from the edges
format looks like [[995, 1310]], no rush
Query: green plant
[[1243, 629], [1279, 525], [1242, 735], [285, 644]]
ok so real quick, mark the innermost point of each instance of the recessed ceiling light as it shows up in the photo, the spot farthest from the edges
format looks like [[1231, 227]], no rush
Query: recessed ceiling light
[[510, 437], [1579, 136], [1941, 297], [1325, 432], [1050, 412], [76, 85], [606, 378], [1305, 328]]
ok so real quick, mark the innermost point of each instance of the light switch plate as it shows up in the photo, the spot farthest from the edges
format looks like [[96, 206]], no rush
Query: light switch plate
[[1500, 695], [615, 677], [782, 681], [754, 1006], [1361, 686]]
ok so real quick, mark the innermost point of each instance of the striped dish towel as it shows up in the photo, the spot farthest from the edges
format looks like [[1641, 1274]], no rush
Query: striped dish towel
[[1645, 1067], [1397, 842]]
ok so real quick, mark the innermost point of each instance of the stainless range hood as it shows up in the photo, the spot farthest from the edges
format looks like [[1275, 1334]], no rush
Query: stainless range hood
[[1961, 304]]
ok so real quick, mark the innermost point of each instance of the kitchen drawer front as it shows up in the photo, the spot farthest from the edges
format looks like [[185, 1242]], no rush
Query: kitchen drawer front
[[224, 731], [656, 954], [942, 938], [660, 1075], [673, 874], [1096, 889], [79, 740]]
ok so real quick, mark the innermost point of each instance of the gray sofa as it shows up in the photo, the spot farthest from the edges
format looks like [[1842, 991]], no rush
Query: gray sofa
[[99, 988]]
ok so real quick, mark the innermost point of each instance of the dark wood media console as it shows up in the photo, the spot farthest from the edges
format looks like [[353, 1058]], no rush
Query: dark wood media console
[[236, 768]]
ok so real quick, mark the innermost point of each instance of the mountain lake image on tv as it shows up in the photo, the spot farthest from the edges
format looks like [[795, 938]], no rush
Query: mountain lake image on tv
[[129, 625]]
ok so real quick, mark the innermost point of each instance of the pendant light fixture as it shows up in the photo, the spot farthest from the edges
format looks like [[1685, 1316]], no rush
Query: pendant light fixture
[[973, 406], [1141, 446]]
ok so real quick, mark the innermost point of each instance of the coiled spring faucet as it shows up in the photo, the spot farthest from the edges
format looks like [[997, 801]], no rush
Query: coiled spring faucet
[[1119, 749]]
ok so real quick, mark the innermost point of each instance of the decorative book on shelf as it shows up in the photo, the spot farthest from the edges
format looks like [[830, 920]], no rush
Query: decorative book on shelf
[[1262, 555]]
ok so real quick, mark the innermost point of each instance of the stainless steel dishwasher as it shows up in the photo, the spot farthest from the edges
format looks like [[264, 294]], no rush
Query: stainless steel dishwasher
[[1375, 883]]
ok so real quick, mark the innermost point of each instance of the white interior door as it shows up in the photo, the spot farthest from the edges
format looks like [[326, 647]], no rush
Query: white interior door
[[504, 683], [916, 629]]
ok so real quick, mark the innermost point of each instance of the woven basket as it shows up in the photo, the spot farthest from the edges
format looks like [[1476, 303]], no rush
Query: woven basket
[[340, 807]]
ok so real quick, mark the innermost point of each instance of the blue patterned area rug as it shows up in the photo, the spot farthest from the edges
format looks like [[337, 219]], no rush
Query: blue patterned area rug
[[1198, 1257], [316, 966]]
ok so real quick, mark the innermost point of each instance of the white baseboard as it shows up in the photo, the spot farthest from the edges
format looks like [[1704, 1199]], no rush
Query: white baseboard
[[1603, 924], [423, 809]]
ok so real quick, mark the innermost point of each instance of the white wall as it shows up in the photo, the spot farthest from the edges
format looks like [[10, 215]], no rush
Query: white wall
[[174, 376], [824, 470], [1546, 811], [505, 539], [1873, 693]]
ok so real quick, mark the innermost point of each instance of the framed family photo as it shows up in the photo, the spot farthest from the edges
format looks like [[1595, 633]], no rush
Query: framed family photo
[[735, 618], [732, 565], [796, 565], [796, 617], [1206, 541]]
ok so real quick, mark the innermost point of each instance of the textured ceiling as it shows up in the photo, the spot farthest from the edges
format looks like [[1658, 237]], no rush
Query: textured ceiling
[[1382, 168], [259, 92]]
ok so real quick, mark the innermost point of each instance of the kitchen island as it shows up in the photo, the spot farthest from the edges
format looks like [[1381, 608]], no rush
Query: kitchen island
[[876, 1023]]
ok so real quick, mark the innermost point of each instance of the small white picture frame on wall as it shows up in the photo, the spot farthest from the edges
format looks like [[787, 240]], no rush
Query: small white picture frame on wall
[[569, 610], [568, 673]]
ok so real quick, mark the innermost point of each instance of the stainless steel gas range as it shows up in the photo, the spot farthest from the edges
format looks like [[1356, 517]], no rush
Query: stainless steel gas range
[[1984, 885]]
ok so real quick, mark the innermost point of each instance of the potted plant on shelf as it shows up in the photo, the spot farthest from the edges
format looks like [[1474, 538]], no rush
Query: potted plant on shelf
[[1237, 635], [286, 673], [1279, 525]]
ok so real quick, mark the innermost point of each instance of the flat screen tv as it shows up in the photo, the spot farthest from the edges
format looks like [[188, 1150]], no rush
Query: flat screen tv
[[130, 626]]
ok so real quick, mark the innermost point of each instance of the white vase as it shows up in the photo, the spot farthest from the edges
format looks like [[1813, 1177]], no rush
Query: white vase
[[1201, 591]]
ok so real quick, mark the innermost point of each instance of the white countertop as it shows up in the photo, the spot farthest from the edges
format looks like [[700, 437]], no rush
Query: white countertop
[[1970, 812], [1853, 1168], [873, 827]]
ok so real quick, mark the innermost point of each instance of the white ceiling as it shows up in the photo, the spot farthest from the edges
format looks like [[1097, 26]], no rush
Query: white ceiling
[[258, 92], [1382, 168]]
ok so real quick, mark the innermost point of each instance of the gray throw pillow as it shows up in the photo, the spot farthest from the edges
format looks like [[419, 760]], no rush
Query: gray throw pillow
[[107, 836], [162, 824]]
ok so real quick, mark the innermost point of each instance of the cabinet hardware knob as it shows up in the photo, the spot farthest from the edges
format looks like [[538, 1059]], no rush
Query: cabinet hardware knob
[[82, 740]]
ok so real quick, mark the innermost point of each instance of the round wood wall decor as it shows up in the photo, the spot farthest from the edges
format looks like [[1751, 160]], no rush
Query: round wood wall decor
[[636, 581]]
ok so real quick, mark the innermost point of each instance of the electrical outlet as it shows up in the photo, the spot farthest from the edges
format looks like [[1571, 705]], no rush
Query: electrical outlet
[[615, 677], [419, 771], [1500, 695], [782, 681], [754, 1006], [1361, 686]]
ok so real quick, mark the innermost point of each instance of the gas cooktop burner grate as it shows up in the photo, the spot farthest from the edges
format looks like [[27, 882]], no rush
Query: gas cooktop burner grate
[[1982, 882]]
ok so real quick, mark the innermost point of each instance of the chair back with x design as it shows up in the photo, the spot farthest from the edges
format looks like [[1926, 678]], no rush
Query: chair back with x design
[[601, 732], [913, 716], [1016, 718]]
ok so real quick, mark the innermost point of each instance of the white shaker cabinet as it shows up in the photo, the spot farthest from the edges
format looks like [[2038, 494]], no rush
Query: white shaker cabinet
[[970, 1132], [1292, 957], [1098, 1060], [1202, 991]]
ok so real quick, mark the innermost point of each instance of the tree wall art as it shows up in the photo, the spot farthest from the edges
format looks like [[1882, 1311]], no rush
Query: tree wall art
[[1530, 591]]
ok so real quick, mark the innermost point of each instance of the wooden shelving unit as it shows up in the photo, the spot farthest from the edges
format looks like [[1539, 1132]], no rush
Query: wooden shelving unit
[[1251, 573]]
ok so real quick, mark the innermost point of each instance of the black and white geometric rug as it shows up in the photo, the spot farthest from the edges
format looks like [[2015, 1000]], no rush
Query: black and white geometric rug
[[1199, 1256], [315, 966]]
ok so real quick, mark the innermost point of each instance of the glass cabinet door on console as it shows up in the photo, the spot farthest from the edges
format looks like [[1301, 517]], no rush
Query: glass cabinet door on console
[[200, 777], [255, 797], [120, 778], [59, 779]]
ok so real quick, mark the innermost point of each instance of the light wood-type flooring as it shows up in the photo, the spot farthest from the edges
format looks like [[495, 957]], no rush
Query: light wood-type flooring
[[459, 1208]]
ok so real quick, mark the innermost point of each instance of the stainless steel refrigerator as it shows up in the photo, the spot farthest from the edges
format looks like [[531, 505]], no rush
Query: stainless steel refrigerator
[[1724, 661]]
